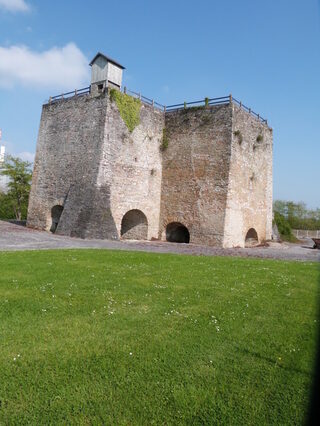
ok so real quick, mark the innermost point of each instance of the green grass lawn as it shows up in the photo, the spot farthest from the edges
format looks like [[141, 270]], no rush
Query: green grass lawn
[[103, 337]]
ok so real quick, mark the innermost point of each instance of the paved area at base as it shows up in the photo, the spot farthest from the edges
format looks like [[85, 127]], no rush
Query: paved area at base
[[15, 237]]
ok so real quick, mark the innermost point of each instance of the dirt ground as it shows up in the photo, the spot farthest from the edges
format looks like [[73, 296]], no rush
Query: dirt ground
[[15, 237]]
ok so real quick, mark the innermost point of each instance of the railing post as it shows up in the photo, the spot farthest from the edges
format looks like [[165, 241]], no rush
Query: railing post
[[164, 108], [230, 98], [62, 96], [249, 110], [125, 89], [258, 116], [75, 92], [140, 96], [50, 99], [153, 102], [240, 104]]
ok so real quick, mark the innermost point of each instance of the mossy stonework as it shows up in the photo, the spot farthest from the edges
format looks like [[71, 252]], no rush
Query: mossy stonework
[[103, 155], [164, 141], [129, 108]]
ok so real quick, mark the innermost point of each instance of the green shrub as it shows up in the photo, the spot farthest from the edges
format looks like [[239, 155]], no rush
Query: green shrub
[[206, 101], [129, 108], [284, 227], [7, 207], [259, 138]]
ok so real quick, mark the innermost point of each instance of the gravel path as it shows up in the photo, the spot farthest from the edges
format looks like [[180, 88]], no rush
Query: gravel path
[[15, 237]]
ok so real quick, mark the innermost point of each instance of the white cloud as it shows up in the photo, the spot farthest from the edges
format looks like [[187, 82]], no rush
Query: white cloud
[[14, 5], [11, 150], [64, 68], [26, 156]]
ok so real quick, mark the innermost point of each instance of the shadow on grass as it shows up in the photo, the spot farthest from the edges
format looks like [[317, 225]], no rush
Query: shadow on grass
[[314, 399], [273, 362]]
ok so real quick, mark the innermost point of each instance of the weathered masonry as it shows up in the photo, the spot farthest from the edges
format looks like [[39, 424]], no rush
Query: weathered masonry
[[111, 165]]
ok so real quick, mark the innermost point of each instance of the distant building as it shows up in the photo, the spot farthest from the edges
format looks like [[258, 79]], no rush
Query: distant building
[[3, 179], [2, 152]]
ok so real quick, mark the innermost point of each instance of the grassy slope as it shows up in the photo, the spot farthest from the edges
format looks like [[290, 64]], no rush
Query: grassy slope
[[213, 340]]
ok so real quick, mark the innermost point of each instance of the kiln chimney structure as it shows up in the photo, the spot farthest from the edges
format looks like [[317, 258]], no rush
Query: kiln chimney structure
[[110, 165]]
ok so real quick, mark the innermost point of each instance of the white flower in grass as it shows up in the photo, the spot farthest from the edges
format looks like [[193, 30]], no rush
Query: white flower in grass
[[130, 353]]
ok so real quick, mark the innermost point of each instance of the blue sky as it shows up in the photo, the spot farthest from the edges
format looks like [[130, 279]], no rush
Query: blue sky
[[266, 53]]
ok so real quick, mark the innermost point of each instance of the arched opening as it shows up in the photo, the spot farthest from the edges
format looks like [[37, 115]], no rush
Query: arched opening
[[177, 233], [56, 213], [251, 238], [134, 225]]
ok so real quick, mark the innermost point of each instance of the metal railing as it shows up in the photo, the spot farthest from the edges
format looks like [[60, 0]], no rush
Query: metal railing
[[199, 104], [76, 92], [249, 110], [223, 100], [144, 99]]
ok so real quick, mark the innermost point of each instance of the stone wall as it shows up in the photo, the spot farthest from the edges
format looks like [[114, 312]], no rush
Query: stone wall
[[214, 178], [66, 165], [132, 163], [249, 203], [306, 233], [88, 162], [196, 171]]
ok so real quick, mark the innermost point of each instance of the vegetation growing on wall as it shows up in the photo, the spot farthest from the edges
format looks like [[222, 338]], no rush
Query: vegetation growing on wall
[[206, 119], [259, 138], [129, 108], [165, 141], [238, 134]]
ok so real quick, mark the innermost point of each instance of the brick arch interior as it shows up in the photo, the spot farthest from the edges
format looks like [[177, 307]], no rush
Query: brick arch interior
[[134, 225], [251, 238], [176, 232]]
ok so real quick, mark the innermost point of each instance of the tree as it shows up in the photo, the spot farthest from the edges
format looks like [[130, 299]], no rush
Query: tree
[[20, 175], [297, 214]]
